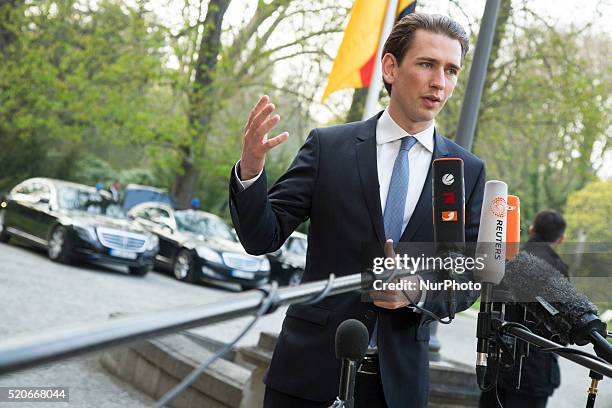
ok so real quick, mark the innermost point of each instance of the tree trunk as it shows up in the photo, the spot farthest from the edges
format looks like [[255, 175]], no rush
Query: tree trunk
[[201, 104], [355, 113], [184, 184]]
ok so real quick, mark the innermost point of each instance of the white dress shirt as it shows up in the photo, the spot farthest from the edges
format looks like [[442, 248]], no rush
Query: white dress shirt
[[388, 141]]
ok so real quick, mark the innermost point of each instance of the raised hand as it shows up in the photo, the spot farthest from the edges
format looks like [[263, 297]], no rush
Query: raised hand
[[255, 142]]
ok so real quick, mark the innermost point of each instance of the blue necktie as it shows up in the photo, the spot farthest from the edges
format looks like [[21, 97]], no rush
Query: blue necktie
[[398, 190], [394, 207]]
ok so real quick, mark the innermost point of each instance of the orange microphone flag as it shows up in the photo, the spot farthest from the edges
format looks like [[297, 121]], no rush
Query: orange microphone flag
[[513, 227]]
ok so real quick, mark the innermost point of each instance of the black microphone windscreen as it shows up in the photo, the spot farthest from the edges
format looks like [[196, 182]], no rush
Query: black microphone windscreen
[[531, 280], [352, 340]]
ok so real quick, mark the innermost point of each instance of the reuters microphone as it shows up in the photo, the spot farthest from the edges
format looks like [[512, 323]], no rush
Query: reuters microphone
[[491, 249]]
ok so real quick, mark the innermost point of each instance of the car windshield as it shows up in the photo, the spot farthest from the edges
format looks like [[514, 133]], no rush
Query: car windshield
[[91, 202], [190, 221], [298, 246]]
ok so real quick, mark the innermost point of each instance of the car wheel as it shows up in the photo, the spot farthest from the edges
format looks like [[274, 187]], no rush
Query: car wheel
[[139, 270], [295, 278], [4, 236], [184, 269], [59, 246]]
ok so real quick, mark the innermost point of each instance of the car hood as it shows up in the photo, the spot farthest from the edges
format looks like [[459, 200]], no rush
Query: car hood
[[218, 244], [103, 221]]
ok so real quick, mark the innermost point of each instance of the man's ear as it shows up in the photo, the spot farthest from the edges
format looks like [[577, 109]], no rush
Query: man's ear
[[561, 239], [531, 231], [389, 65]]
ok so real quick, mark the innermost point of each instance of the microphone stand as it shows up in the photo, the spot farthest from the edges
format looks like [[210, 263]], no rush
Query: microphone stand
[[592, 391], [597, 369], [604, 350], [346, 397]]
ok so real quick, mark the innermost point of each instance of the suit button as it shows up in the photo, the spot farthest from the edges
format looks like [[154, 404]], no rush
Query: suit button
[[370, 314]]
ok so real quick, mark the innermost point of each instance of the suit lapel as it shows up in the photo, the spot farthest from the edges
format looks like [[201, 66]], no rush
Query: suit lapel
[[424, 205], [368, 173]]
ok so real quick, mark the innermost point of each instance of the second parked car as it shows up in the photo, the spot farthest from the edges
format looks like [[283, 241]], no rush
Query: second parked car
[[289, 261], [199, 246]]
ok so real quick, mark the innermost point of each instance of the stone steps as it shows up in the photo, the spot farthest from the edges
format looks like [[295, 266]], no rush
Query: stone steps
[[236, 381]]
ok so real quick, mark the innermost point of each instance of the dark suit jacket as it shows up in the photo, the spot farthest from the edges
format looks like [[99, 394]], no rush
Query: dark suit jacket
[[333, 181]]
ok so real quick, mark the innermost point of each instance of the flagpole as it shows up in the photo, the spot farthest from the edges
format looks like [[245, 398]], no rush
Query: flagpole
[[371, 105], [478, 74]]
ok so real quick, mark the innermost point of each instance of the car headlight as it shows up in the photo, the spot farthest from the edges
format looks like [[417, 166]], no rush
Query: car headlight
[[264, 265], [152, 243], [87, 232], [209, 254]]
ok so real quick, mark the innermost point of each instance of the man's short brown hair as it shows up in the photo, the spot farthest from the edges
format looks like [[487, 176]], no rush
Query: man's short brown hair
[[402, 35]]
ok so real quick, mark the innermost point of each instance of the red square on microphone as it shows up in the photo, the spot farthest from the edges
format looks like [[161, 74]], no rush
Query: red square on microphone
[[448, 216], [449, 198]]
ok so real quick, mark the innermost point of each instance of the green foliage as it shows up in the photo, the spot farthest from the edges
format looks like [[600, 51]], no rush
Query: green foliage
[[90, 92], [588, 231], [76, 82], [588, 211], [545, 114], [91, 170]]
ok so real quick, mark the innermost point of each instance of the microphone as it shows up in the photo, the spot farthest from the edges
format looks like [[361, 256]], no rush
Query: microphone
[[555, 302], [491, 249], [448, 205], [509, 310], [351, 345]]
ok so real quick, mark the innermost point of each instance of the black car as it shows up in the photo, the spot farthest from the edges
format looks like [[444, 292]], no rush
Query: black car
[[199, 246], [75, 222], [288, 263], [136, 194]]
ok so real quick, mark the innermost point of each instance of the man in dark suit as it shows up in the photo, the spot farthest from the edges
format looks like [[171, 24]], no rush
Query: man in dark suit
[[362, 182], [540, 374]]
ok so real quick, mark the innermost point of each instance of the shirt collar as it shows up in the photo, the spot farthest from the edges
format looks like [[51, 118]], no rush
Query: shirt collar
[[389, 131]]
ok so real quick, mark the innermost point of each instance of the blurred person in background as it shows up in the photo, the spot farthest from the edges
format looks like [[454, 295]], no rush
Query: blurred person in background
[[115, 190]]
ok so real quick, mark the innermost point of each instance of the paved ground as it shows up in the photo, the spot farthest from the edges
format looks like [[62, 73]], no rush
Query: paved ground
[[36, 294]]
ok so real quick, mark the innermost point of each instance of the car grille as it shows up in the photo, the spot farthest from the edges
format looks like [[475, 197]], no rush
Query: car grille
[[117, 239], [242, 262]]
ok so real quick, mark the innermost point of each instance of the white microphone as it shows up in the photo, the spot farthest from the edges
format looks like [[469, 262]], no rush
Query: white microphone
[[491, 249]]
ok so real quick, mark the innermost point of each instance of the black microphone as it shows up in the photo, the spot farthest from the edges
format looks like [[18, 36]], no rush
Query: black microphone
[[351, 345], [491, 249], [556, 303], [448, 205]]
